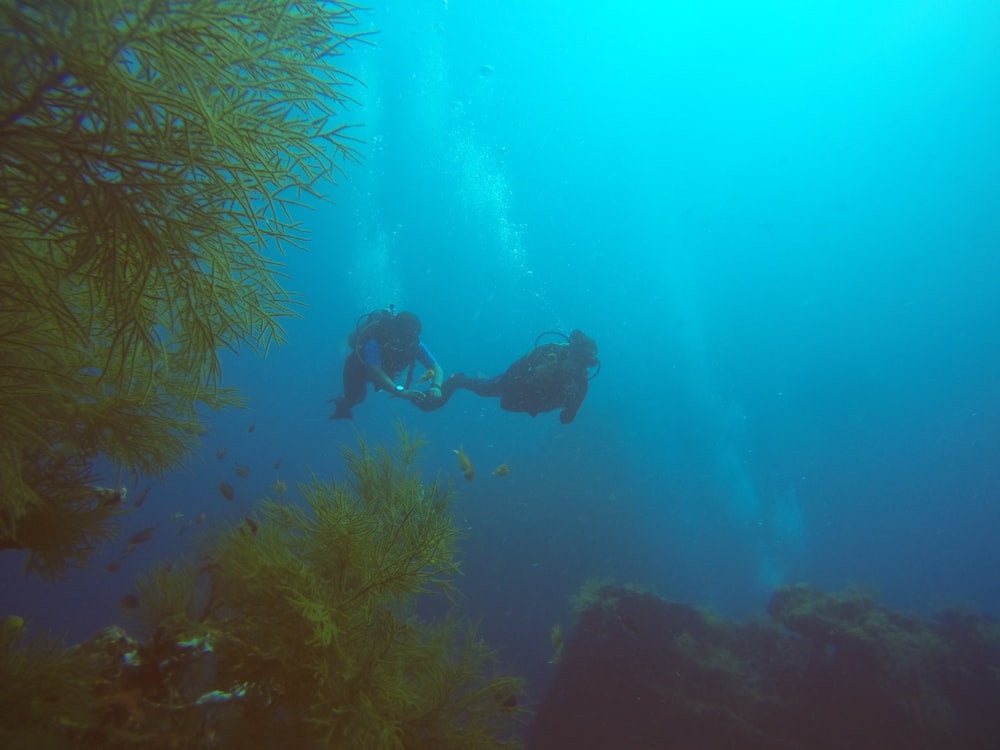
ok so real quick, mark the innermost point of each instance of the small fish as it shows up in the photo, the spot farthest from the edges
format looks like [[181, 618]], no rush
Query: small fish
[[142, 536], [501, 471], [142, 498], [226, 490], [109, 496], [279, 487], [114, 565], [464, 464], [428, 374], [252, 427], [220, 454], [241, 471], [249, 526], [190, 522], [507, 702], [129, 601], [176, 516], [277, 464]]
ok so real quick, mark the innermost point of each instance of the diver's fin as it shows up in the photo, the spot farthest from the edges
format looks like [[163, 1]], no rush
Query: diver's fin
[[342, 410]]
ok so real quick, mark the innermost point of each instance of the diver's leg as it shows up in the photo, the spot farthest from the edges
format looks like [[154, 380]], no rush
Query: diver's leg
[[480, 386], [448, 388], [355, 387]]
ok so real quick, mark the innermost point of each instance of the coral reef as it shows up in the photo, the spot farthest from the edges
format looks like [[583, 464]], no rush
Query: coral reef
[[298, 630], [825, 671], [149, 154]]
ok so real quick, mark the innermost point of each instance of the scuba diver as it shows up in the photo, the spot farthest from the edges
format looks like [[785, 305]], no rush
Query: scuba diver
[[550, 376], [383, 345]]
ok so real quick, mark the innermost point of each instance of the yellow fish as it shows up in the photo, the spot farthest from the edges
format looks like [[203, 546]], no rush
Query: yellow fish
[[501, 471], [465, 464], [428, 374]]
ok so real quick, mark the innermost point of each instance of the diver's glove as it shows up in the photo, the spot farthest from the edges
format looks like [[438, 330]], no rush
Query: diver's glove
[[433, 399], [414, 397]]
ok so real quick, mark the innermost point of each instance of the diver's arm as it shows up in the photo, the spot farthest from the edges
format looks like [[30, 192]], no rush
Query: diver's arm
[[371, 355], [383, 382], [427, 359], [380, 379]]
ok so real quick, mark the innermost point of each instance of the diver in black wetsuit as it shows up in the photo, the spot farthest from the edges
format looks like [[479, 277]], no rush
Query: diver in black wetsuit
[[550, 376]]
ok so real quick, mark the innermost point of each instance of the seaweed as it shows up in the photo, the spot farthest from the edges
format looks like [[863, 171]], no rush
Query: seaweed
[[46, 690], [301, 631], [152, 155], [315, 615]]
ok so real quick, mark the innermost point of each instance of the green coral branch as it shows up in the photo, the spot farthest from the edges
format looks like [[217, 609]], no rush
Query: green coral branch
[[318, 650], [152, 154]]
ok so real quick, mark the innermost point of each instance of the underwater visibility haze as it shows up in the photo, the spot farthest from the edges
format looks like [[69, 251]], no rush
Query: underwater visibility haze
[[779, 222]]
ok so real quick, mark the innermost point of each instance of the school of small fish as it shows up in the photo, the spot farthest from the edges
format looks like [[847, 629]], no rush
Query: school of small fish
[[116, 496], [248, 524]]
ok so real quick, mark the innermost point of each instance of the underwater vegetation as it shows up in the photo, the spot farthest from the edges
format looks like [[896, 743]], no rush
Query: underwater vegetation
[[48, 688], [823, 671], [150, 155], [298, 631]]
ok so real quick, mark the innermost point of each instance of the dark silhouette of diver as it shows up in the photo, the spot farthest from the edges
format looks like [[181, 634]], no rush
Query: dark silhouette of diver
[[383, 345], [550, 376]]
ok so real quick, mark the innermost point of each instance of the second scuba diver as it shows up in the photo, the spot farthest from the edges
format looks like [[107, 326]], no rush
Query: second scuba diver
[[550, 376], [384, 345]]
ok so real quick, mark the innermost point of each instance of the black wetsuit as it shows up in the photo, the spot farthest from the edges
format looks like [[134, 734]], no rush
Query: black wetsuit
[[546, 378]]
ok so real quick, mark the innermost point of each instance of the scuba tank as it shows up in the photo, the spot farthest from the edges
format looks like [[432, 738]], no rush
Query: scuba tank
[[364, 325], [592, 371]]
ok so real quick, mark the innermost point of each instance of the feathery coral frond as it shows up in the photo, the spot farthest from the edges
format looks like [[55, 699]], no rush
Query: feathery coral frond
[[151, 154]]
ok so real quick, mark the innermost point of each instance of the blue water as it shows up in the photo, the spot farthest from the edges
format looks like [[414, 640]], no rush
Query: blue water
[[779, 221]]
